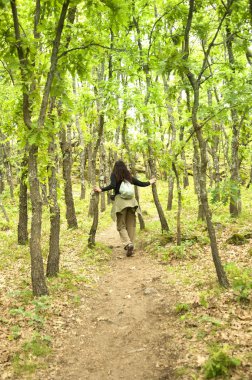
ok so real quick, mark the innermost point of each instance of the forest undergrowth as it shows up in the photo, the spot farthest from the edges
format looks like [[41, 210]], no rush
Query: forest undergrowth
[[214, 324]]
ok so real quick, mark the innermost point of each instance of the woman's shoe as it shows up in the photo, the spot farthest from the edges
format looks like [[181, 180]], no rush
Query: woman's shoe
[[130, 249]]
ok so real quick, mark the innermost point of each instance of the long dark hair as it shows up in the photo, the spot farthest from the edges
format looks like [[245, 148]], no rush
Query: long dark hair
[[121, 172]]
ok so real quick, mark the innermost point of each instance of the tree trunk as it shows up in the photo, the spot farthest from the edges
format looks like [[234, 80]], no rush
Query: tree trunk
[[6, 161], [4, 211], [102, 175], [179, 204], [196, 164], [235, 198], [181, 138], [170, 192], [94, 202], [89, 153], [54, 251], [37, 270], [1, 182], [203, 191], [250, 176], [23, 208], [66, 149], [163, 221], [82, 149], [171, 142]]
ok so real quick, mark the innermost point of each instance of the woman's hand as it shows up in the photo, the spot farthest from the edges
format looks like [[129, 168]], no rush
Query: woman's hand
[[152, 180], [97, 189]]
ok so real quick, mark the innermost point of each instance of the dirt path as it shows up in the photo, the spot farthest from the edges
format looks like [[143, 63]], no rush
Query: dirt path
[[125, 329]]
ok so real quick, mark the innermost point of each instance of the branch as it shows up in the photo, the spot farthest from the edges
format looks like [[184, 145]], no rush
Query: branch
[[54, 60], [155, 23], [87, 46], [188, 28], [8, 71], [23, 65], [204, 64]]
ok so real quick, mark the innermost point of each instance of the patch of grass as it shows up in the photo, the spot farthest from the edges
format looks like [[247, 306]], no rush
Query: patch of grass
[[27, 359], [38, 346], [213, 321], [15, 332], [182, 308], [219, 363], [24, 296], [34, 313], [22, 365], [241, 281]]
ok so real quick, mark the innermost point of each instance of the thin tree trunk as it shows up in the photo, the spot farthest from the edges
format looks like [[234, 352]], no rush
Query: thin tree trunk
[[195, 83], [4, 211], [196, 164], [102, 174], [89, 152], [54, 251], [181, 138], [250, 175], [23, 207], [235, 198], [6, 154], [163, 221], [66, 149], [82, 149], [172, 140], [1, 182], [95, 196], [179, 204]]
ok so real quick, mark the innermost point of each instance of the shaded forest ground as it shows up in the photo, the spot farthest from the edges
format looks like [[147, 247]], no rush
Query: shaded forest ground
[[157, 315]]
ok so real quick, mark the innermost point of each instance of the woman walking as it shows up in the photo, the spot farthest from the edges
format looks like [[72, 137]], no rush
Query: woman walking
[[125, 205]]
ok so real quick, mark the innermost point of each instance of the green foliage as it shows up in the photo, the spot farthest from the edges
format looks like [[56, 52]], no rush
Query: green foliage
[[27, 360], [241, 280], [219, 363], [15, 332], [237, 239], [213, 321], [182, 308], [38, 346], [35, 317], [227, 189]]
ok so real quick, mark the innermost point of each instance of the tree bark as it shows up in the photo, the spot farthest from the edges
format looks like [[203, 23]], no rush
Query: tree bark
[[163, 221], [23, 207], [195, 84], [94, 202], [66, 149], [235, 198], [4, 211], [54, 251], [102, 174], [37, 270], [1, 182], [82, 149], [214, 150], [171, 142], [179, 204]]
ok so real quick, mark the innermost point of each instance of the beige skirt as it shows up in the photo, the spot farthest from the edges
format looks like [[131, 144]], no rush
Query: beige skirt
[[120, 203]]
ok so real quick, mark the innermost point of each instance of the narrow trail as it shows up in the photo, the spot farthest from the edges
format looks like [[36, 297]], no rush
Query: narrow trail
[[126, 330]]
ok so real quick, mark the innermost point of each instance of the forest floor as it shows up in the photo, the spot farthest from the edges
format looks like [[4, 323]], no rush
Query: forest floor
[[158, 315], [125, 327]]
